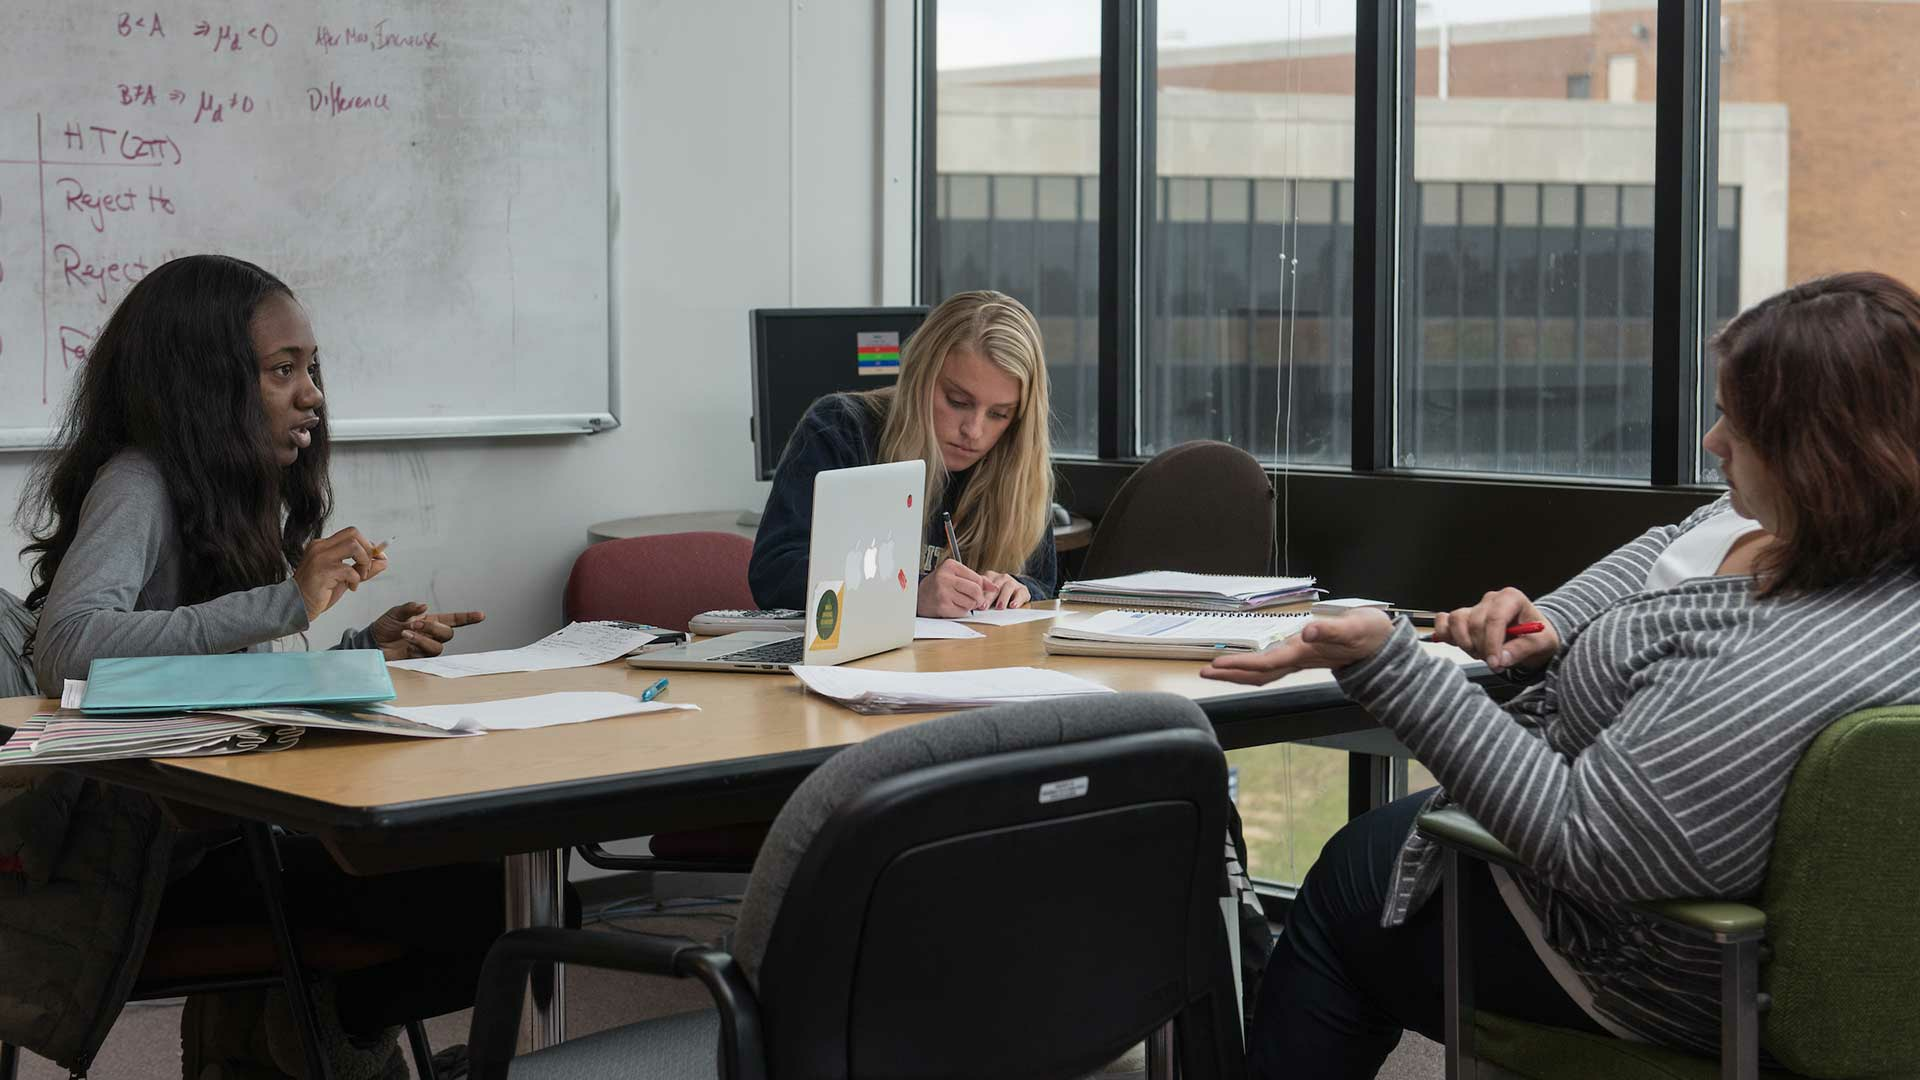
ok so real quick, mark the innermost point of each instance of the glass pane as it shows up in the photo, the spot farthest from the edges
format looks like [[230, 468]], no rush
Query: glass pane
[[1291, 799], [1531, 232], [1818, 130], [1018, 194], [1247, 287]]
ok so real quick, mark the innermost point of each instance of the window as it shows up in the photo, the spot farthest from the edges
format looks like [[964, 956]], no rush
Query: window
[[1247, 289], [1531, 246], [1579, 87], [1016, 191], [1816, 129]]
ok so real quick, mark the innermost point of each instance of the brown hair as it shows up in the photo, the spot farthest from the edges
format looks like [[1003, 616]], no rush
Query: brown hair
[[1823, 382]]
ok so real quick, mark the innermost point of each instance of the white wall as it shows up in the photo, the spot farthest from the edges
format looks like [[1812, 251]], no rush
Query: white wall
[[750, 176]]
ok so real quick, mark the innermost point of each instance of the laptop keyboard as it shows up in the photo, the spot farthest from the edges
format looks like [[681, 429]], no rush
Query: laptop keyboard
[[784, 651]]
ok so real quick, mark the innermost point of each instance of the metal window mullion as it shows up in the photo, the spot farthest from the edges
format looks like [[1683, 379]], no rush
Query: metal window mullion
[[1038, 300], [1540, 334], [1126, 53], [1620, 249], [1580, 193], [1250, 332], [1342, 424], [927, 130], [1500, 326], [1080, 401], [1458, 316], [1383, 180], [1685, 175]]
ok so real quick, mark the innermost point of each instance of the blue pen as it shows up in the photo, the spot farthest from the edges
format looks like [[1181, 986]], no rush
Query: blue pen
[[653, 691]]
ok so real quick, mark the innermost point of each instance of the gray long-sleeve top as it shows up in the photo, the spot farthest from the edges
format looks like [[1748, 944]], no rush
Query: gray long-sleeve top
[[1650, 762], [117, 592]]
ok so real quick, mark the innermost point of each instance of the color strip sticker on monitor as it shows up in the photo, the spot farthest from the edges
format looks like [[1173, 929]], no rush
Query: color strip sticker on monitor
[[879, 352]]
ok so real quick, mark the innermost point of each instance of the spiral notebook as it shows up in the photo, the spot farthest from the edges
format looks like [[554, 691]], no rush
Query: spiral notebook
[[1168, 634], [1190, 592]]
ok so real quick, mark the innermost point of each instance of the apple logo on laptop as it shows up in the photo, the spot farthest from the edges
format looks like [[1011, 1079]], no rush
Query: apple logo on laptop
[[869, 562]]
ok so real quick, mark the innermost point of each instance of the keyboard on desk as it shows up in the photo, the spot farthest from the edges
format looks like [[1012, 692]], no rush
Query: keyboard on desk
[[785, 651]]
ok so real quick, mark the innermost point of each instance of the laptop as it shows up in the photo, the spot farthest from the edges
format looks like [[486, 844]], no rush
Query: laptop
[[863, 579]]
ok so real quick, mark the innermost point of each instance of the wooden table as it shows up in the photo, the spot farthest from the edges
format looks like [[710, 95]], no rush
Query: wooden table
[[1072, 536], [382, 803]]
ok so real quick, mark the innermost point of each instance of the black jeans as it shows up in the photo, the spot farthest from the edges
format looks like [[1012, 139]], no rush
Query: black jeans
[[1341, 988]]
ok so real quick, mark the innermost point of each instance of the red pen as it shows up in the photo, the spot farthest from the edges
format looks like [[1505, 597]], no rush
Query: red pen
[[1519, 629]]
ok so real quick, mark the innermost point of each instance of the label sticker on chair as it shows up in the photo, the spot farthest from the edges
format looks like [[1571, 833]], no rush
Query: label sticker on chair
[[1060, 790]]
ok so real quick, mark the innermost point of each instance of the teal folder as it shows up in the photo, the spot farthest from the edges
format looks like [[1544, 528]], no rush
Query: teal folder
[[139, 684]]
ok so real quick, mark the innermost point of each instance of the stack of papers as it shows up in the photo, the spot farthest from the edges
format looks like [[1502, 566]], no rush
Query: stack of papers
[[1170, 634], [55, 739], [580, 644], [1190, 592], [932, 691]]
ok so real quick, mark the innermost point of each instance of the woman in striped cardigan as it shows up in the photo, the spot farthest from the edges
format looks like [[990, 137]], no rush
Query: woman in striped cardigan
[[1649, 759]]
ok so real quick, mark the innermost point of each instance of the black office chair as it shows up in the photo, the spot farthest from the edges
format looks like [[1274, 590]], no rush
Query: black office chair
[[1024, 891]]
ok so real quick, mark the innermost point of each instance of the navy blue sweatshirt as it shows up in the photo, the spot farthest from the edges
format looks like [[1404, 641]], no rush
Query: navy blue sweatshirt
[[838, 432]]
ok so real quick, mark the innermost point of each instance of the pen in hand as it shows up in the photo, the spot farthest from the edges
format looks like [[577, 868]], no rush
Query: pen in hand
[[953, 539], [1519, 629], [953, 545]]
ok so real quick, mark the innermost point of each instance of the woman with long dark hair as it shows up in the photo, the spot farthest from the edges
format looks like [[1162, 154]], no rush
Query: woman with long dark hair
[[185, 512], [184, 508]]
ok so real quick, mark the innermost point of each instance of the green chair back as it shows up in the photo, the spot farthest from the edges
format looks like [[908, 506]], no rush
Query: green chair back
[[1840, 898], [1841, 889]]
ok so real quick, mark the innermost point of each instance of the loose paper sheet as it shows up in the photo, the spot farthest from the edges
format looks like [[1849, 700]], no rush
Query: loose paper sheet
[[581, 644]]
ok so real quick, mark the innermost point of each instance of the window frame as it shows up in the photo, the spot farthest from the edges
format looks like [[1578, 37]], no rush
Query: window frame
[[1684, 175]]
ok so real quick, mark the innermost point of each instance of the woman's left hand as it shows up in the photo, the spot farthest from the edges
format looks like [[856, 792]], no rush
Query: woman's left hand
[[408, 631], [1005, 590], [1324, 643]]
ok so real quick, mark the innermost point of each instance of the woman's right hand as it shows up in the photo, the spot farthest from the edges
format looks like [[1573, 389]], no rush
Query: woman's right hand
[[951, 591], [1481, 630], [334, 566]]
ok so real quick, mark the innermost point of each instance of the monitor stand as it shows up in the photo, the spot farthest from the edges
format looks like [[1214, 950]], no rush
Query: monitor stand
[[749, 518]]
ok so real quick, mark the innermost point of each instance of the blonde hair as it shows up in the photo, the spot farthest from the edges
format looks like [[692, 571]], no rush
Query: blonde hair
[[1004, 512]]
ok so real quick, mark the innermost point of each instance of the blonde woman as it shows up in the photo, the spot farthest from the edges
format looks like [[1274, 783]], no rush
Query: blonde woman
[[972, 403]]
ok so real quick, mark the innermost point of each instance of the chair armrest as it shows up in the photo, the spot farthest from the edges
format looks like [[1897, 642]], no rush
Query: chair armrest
[[1719, 920], [496, 1013], [1457, 829]]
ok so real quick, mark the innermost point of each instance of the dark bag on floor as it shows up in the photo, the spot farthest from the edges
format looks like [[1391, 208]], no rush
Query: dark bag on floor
[[250, 1035], [1256, 938]]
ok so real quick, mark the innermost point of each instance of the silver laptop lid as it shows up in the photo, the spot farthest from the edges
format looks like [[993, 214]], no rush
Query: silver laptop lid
[[863, 565]]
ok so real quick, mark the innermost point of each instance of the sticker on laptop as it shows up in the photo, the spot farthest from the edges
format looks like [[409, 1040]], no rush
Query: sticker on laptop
[[878, 353], [826, 615]]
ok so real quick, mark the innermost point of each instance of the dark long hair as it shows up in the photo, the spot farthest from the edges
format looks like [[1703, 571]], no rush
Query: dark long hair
[[174, 375], [1823, 382]]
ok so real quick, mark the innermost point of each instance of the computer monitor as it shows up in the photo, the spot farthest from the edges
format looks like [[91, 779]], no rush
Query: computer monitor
[[801, 354]]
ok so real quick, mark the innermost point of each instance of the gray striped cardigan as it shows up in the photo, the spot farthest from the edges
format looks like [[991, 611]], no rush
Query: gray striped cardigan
[[1651, 760]]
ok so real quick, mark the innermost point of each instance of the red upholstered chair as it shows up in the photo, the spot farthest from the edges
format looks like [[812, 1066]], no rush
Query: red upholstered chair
[[664, 580]]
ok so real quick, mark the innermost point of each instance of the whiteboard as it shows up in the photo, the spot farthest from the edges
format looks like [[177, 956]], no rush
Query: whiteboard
[[430, 177]]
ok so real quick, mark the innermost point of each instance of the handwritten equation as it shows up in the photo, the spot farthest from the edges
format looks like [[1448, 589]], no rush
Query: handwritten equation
[[102, 189]]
